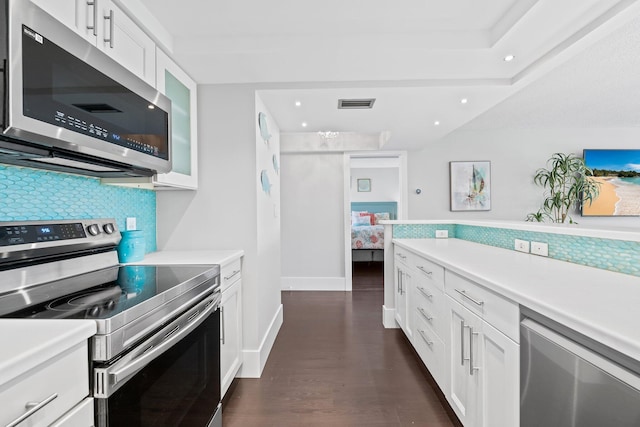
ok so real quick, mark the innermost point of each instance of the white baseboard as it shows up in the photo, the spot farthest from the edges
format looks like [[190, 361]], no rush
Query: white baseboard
[[253, 361], [389, 318], [313, 284]]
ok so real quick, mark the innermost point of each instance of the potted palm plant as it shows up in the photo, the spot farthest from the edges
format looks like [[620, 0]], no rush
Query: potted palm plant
[[566, 184]]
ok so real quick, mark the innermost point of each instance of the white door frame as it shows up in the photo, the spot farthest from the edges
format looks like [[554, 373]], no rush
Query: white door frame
[[402, 202]]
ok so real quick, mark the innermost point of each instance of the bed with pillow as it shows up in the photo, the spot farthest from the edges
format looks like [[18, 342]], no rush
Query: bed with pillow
[[367, 234]]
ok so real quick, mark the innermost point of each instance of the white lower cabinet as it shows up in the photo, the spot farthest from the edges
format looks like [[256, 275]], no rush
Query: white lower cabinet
[[230, 323], [403, 292], [467, 337], [431, 350], [464, 360], [500, 384], [484, 371], [80, 416], [55, 387]]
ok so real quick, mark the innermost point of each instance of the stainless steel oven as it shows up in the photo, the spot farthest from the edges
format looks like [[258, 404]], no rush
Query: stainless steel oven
[[171, 379], [156, 355]]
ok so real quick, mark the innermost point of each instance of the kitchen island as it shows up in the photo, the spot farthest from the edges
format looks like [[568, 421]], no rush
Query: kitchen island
[[461, 303], [594, 302]]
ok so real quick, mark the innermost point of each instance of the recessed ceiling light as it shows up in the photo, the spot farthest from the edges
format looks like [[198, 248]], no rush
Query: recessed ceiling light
[[298, 103], [464, 101], [436, 123], [304, 124], [509, 58]]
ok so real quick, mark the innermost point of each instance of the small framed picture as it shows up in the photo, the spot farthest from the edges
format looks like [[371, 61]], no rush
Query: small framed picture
[[470, 186], [364, 184]]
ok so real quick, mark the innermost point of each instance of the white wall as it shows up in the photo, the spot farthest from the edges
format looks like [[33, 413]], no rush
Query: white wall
[[313, 221], [268, 220], [223, 213], [385, 184], [515, 155]]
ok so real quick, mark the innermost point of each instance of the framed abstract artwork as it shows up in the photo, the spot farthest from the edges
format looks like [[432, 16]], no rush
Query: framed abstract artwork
[[470, 186], [364, 184]]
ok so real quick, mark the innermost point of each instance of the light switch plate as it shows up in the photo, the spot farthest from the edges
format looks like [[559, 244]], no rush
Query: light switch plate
[[521, 246]]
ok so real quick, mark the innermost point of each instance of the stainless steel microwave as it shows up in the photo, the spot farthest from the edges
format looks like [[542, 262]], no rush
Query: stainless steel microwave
[[67, 106]]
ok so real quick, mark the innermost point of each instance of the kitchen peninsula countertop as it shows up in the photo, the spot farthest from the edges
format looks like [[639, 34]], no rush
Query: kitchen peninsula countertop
[[204, 256], [27, 343], [597, 303]]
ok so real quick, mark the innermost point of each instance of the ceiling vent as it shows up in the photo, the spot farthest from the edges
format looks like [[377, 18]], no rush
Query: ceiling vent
[[353, 104]]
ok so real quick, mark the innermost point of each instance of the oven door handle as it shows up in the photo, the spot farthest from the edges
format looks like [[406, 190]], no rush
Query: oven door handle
[[155, 347]]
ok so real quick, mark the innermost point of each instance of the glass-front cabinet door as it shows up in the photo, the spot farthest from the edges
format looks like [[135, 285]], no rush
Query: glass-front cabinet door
[[181, 89]]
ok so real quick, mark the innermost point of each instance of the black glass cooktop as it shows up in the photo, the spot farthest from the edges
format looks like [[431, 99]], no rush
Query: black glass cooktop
[[101, 294]]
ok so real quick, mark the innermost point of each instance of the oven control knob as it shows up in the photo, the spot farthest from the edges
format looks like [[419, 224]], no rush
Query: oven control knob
[[93, 229], [108, 228]]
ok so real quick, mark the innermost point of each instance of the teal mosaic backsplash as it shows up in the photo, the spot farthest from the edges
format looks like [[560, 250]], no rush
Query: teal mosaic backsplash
[[608, 254], [421, 231], [31, 194]]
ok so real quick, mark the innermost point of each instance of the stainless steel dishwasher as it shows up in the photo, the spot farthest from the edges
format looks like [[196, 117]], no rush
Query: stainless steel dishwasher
[[563, 383]]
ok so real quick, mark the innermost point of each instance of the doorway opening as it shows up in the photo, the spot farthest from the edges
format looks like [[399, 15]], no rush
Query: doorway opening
[[374, 192]]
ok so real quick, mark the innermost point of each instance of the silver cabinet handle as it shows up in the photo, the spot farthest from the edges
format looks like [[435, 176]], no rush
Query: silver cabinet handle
[[462, 326], [231, 275], [471, 367], [32, 407], [111, 26], [398, 281], [425, 293], [473, 300], [425, 337], [402, 256], [222, 338], [424, 314], [94, 27], [428, 273]]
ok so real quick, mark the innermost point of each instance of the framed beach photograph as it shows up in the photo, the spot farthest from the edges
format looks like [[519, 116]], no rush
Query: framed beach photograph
[[618, 172], [364, 185], [470, 186]]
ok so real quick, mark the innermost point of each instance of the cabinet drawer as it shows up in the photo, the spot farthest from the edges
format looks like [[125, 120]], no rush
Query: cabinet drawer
[[229, 273], [402, 255], [502, 313], [429, 305], [429, 271], [431, 350], [80, 416], [64, 380]]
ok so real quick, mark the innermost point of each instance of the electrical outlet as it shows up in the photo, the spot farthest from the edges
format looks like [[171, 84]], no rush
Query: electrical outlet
[[539, 248], [131, 223], [522, 246], [442, 234]]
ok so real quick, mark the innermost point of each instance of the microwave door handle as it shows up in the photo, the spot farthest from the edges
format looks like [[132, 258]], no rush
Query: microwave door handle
[[117, 373]]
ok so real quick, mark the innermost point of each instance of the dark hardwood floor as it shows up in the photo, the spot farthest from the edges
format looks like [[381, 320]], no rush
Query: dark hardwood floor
[[367, 276], [333, 364]]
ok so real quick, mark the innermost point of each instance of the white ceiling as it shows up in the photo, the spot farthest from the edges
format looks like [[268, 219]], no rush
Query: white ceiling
[[418, 58]]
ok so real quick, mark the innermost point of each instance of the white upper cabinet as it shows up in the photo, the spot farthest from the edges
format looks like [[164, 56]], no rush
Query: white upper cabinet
[[181, 90], [105, 25]]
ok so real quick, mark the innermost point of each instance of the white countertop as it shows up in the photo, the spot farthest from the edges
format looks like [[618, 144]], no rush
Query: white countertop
[[26, 343], [191, 257], [600, 304]]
